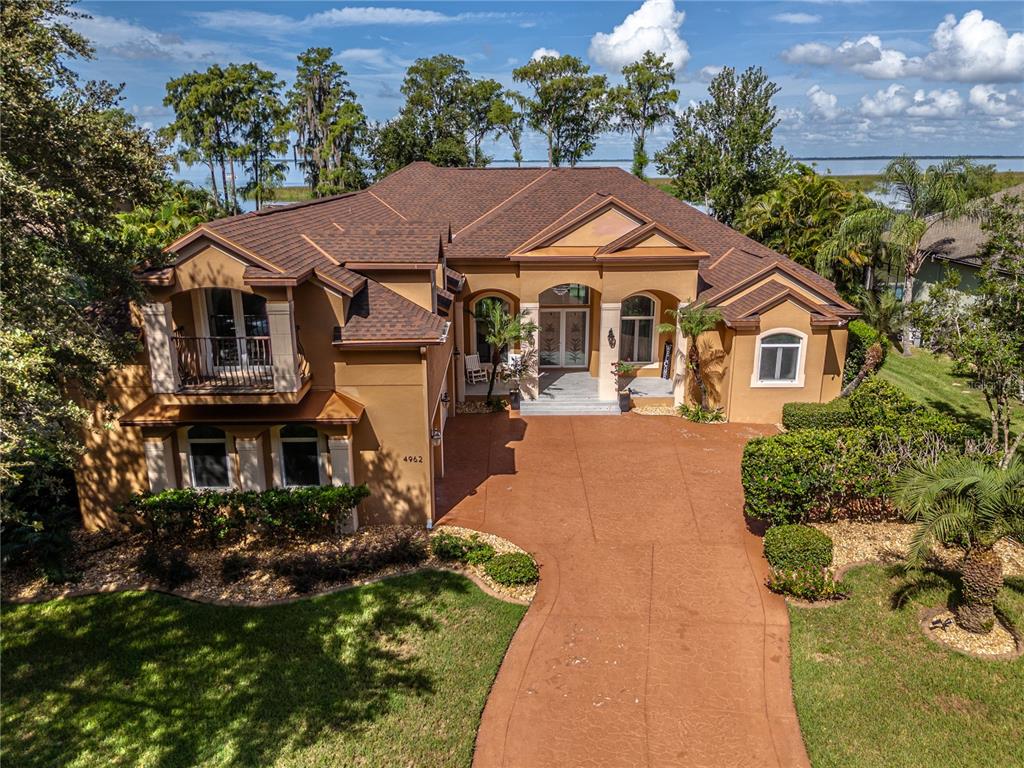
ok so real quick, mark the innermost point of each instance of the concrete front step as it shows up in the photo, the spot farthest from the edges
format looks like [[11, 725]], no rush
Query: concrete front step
[[569, 408]]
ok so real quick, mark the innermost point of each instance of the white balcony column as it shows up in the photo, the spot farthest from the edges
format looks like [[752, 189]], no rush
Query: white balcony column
[[342, 471], [163, 357], [252, 474], [460, 345], [681, 348], [609, 330], [159, 463], [530, 385], [283, 345]]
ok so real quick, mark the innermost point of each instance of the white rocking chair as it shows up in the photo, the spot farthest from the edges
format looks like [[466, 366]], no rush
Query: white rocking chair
[[475, 373]]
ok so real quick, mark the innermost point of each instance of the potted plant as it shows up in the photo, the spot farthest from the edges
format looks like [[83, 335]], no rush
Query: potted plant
[[518, 367], [623, 371]]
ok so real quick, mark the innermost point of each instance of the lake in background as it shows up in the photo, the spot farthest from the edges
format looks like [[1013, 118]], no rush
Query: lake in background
[[856, 166]]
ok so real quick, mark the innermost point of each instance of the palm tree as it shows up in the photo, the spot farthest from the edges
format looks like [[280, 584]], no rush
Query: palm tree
[[922, 198], [502, 332], [883, 312], [692, 321], [966, 500]]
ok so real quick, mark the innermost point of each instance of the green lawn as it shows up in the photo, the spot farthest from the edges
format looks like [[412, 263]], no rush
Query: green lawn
[[872, 692], [290, 194], [929, 379], [391, 674]]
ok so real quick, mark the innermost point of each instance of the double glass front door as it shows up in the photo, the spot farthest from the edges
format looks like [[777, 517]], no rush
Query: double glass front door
[[562, 338]]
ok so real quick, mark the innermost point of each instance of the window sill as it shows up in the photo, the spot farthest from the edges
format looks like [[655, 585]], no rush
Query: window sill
[[799, 384]]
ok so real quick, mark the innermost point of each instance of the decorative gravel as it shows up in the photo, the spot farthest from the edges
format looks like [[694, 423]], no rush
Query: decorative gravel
[[855, 542], [106, 561], [522, 592], [998, 642]]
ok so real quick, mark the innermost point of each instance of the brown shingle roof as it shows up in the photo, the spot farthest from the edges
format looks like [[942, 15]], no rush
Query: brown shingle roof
[[406, 219], [379, 315]]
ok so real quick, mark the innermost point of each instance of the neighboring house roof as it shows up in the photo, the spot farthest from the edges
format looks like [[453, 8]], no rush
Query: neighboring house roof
[[961, 239], [408, 219]]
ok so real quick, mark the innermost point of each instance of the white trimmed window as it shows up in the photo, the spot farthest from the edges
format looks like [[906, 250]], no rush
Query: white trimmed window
[[780, 360], [300, 455], [208, 457], [636, 329]]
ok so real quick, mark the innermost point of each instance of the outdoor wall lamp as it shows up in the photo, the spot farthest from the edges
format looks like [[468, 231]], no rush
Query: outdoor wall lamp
[[445, 399], [456, 352], [611, 338], [435, 436]]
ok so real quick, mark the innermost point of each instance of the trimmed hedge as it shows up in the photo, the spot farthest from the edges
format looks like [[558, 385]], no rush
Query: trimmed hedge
[[512, 569], [789, 547], [177, 513], [860, 337], [807, 584], [822, 473], [836, 413]]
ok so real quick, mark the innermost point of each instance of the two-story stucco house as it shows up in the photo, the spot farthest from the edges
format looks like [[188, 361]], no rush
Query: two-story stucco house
[[326, 342]]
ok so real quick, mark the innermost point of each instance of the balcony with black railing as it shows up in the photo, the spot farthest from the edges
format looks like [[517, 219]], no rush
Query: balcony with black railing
[[225, 363]]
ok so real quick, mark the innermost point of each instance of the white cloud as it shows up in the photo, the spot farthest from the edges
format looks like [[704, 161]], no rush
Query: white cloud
[[989, 100], [376, 58], [654, 26], [707, 74], [969, 50], [797, 18], [897, 100], [540, 53], [886, 103], [128, 40], [823, 103], [936, 104], [277, 25], [1004, 123]]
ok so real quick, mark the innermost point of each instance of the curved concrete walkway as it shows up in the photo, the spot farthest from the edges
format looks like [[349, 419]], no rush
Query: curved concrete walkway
[[651, 641]]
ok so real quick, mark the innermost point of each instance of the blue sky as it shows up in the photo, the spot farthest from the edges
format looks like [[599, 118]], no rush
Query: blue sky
[[856, 78]]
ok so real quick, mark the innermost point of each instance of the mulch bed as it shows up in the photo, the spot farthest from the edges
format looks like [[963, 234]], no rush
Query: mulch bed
[[107, 561], [938, 625]]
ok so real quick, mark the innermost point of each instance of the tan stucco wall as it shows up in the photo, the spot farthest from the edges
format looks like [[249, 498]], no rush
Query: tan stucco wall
[[113, 465], [416, 286], [822, 367]]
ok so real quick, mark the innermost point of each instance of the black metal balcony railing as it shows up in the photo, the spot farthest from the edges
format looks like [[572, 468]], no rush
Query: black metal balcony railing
[[225, 362]]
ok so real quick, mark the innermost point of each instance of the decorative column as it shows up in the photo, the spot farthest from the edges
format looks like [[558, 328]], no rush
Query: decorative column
[[342, 471], [680, 351], [283, 345], [159, 463], [163, 357], [530, 385], [608, 334], [460, 357], [252, 475]]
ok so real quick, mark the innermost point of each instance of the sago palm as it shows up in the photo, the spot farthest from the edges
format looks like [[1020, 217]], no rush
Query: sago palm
[[922, 198], [967, 501], [692, 321], [502, 332]]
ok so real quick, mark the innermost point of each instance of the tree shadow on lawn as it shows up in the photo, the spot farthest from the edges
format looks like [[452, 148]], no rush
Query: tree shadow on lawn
[[146, 678]]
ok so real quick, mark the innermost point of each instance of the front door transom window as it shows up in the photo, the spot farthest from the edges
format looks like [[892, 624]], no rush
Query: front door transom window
[[636, 330]]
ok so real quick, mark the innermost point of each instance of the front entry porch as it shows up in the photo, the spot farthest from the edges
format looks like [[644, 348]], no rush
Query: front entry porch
[[575, 393]]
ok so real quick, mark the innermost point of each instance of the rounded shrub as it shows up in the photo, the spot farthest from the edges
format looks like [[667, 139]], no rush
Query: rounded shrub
[[447, 546], [512, 568], [795, 547]]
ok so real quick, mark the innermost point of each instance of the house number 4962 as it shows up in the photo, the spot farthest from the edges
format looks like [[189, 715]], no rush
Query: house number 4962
[[413, 459]]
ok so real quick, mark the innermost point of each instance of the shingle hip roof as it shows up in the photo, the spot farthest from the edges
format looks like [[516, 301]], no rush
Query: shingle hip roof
[[417, 214]]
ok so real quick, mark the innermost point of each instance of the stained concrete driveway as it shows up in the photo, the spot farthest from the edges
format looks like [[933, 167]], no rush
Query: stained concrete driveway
[[651, 641]]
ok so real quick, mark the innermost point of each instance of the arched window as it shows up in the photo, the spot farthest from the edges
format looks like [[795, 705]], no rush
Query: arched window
[[300, 455], [480, 326], [779, 358], [208, 457], [636, 330]]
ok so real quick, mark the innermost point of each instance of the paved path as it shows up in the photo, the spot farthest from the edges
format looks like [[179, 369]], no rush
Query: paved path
[[651, 641]]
